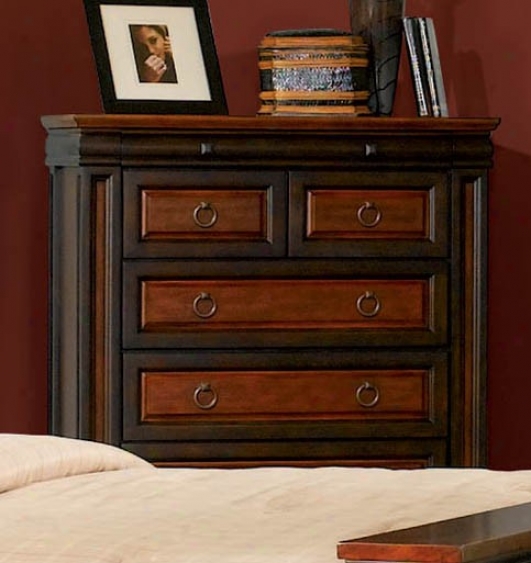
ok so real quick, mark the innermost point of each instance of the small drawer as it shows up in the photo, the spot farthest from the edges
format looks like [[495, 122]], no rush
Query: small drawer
[[164, 310], [204, 214], [181, 395], [369, 214]]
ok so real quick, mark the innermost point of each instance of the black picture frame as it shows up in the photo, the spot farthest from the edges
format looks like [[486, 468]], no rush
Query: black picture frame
[[187, 81]]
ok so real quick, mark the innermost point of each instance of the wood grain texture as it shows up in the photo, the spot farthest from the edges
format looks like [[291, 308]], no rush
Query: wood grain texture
[[172, 122], [484, 536]]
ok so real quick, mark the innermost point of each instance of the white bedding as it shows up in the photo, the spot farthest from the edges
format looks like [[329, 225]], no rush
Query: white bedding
[[97, 504]]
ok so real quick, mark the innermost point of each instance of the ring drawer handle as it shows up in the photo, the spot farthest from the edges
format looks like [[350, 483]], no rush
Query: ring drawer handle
[[204, 208], [370, 390], [201, 395], [202, 298], [363, 299], [369, 207]]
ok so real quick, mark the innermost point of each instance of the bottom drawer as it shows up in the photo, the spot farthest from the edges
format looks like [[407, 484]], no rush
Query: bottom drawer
[[401, 454]]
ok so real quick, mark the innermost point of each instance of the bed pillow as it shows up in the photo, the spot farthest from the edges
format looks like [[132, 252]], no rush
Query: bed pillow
[[26, 459]]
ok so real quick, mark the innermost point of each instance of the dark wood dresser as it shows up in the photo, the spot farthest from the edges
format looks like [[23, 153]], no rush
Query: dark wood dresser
[[239, 290]]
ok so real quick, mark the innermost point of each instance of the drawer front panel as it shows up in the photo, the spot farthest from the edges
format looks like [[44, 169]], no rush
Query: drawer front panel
[[364, 214], [369, 214], [203, 214], [313, 395], [320, 149], [275, 304], [347, 395], [386, 462], [173, 305]]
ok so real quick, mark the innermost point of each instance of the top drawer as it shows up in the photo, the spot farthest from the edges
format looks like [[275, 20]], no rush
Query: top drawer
[[204, 214], [223, 213], [368, 214]]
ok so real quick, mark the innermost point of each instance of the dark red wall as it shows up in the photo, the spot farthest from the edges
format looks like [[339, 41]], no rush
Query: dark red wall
[[47, 68]]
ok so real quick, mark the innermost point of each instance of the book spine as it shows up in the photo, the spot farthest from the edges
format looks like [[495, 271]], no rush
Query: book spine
[[415, 63], [437, 70], [436, 109]]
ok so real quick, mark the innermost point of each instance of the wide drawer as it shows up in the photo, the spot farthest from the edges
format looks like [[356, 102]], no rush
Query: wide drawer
[[288, 303], [369, 214], [161, 308], [265, 396], [190, 213]]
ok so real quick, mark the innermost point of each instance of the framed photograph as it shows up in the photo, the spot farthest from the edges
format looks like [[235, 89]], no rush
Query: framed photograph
[[155, 56]]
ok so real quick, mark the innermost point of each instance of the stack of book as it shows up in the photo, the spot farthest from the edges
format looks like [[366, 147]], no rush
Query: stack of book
[[425, 65]]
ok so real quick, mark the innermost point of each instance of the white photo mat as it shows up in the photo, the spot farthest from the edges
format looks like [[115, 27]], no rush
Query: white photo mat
[[181, 22]]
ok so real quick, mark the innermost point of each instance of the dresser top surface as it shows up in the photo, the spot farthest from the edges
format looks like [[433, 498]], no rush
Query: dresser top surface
[[102, 122]]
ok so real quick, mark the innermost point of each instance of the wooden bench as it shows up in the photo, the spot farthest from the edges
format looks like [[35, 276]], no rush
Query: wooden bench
[[502, 535]]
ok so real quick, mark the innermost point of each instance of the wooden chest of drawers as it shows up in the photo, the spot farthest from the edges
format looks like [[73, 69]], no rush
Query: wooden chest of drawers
[[239, 291]]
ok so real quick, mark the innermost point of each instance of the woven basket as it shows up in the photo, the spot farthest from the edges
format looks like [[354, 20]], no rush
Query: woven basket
[[313, 71]]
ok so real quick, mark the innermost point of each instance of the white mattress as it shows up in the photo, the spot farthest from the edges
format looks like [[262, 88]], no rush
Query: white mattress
[[122, 510]]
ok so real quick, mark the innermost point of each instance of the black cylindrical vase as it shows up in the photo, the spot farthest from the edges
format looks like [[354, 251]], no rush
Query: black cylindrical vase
[[379, 22]]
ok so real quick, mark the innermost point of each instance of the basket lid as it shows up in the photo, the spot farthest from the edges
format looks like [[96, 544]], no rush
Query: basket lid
[[309, 32]]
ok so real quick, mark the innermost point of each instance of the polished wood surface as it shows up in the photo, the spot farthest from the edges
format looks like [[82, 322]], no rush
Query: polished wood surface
[[365, 124], [492, 535]]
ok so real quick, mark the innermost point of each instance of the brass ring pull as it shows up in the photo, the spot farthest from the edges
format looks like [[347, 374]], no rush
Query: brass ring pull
[[204, 208], [371, 208], [361, 302], [198, 310], [370, 390], [201, 394]]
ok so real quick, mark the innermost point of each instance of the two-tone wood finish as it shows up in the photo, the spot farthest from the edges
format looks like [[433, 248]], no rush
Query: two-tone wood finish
[[241, 291]]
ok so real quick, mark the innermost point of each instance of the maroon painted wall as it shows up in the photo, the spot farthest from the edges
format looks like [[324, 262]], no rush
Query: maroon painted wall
[[47, 68]]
